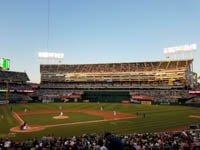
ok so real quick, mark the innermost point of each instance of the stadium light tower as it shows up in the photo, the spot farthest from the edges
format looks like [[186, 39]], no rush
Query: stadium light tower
[[50, 56], [180, 50], [46, 55]]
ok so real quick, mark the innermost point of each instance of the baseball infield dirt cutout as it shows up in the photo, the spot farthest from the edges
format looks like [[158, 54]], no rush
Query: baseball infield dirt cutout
[[107, 115]]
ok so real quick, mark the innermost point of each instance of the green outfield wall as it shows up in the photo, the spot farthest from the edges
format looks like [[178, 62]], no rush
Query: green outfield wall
[[106, 96]]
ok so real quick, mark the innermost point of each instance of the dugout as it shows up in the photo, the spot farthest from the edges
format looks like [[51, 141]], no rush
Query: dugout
[[106, 96]]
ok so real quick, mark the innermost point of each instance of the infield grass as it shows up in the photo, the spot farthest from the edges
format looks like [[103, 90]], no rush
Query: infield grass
[[47, 119]]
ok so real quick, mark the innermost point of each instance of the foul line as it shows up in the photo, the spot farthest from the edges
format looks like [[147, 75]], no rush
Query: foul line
[[85, 122], [18, 118]]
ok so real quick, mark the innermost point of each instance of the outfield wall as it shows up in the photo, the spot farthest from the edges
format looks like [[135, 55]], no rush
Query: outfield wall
[[106, 96]]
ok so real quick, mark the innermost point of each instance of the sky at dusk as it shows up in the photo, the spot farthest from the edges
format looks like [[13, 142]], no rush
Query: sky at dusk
[[96, 31]]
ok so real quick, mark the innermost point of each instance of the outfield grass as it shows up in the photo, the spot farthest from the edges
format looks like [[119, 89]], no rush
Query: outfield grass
[[157, 118]]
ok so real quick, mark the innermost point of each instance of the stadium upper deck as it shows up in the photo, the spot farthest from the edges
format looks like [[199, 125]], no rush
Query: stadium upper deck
[[170, 71], [12, 76]]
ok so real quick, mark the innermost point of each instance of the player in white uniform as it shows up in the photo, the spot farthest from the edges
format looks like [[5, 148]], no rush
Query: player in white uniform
[[114, 113], [61, 113]]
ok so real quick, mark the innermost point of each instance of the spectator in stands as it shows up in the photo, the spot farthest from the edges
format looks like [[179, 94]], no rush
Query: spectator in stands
[[7, 144], [101, 144], [137, 141], [112, 142]]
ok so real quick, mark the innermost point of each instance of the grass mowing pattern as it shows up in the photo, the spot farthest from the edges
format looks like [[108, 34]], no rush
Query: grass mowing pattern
[[47, 119], [157, 118], [6, 121]]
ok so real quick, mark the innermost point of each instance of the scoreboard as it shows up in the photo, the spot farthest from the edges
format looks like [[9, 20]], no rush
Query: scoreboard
[[4, 64]]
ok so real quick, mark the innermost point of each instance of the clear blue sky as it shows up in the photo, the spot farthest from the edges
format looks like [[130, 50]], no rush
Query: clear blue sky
[[96, 31]]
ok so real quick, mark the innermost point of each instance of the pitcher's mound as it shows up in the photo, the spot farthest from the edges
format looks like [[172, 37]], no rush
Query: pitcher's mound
[[60, 117]]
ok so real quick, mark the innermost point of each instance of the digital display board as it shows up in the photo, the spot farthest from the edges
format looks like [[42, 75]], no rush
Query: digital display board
[[3, 90], [4, 64]]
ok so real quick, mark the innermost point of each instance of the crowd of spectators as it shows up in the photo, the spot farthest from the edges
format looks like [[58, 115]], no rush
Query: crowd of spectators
[[13, 76], [196, 87], [184, 140], [196, 96], [108, 84], [54, 92], [131, 75], [164, 95], [15, 97], [115, 67], [16, 86], [160, 95]]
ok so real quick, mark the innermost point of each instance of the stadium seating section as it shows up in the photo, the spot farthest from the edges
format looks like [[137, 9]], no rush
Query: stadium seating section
[[117, 67], [13, 76], [178, 73]]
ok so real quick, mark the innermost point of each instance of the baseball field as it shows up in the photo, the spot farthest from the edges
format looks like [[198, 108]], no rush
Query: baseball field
[[79, 118]]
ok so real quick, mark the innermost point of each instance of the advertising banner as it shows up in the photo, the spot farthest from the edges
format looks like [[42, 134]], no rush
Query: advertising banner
[[141, 97], [28, 91], [135, 101], [71, 96], [125, 102], [194, 92]]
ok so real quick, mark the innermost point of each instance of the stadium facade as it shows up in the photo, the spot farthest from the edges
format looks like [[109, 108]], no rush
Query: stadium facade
[[160, 81], [167, 80], [175, 72]]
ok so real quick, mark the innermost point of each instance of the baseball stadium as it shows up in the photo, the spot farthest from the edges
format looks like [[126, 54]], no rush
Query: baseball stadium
[[99, 75], [77, 102]]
